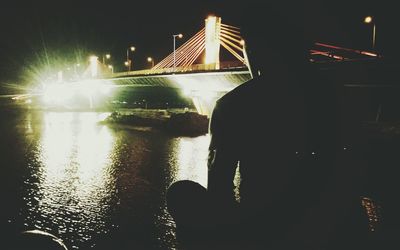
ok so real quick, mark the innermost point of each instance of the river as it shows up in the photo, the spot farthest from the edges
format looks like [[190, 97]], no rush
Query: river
[[94, 186]]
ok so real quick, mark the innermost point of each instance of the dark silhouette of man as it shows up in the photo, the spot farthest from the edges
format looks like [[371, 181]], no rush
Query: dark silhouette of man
[[283, 131]]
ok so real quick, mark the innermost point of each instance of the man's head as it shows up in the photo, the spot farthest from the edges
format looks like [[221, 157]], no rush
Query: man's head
[[274, 32]]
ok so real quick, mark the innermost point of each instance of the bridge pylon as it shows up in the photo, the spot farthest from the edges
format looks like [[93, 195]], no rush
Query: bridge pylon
[[212, 41]]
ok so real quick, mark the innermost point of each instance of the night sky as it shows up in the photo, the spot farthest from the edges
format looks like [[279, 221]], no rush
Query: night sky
[[70, 31]]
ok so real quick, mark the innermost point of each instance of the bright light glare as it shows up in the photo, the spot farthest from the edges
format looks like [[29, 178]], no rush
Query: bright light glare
[[186, 92], [92, 88], [93, 59], [368, 19], [190, 159], [207, 96], [57, 94], [75, 172], [86, 89], [204, 92], [65, 94], [105, 89], [93, 65]]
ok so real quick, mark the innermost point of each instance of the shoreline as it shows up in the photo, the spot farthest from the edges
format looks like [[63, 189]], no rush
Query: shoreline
[[175, 123]]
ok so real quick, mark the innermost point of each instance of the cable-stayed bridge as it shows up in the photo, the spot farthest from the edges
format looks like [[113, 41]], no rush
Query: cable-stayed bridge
[[194, 67], [204, 82]]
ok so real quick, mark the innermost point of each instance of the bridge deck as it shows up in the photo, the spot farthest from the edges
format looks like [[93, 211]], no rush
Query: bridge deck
[[195, 79]]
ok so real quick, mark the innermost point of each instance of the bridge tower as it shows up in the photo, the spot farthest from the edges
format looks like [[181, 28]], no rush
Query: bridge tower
[[212, 42]]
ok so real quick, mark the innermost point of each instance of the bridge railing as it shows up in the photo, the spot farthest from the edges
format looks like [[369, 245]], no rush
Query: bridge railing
[[192, 68]]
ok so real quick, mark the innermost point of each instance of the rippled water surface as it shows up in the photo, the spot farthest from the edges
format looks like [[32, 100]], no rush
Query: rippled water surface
[[94, 186]]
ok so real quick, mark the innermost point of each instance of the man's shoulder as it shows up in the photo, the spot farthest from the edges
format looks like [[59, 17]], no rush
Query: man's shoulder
[[240, 94]]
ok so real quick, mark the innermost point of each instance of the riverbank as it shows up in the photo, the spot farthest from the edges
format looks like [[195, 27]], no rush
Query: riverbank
[[175, 122]]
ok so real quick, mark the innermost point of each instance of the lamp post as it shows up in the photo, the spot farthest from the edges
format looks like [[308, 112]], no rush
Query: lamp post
[[174, 36], [151, 60], [369, 20], [106, 56], [111, 68], [128, 62]]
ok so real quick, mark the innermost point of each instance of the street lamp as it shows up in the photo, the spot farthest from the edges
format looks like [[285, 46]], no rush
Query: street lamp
[[111, 68], [106, 56], [149, 59], [369, 20], [128, 62], [174, 36]]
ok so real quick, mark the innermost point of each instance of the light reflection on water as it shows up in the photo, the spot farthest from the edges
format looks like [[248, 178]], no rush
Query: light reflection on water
[[82, 176], [189, 159], [74, 175]]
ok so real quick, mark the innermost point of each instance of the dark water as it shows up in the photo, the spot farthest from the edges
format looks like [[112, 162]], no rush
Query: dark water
[[96, 187]]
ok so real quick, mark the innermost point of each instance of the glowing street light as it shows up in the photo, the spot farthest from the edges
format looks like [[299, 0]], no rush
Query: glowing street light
[[106, 56], [174, 36], [111, 68], [369, 20], [128, 62], [149, 59]]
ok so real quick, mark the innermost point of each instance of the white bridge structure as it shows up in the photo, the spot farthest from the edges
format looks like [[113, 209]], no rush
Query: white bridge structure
[[204, 82]]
